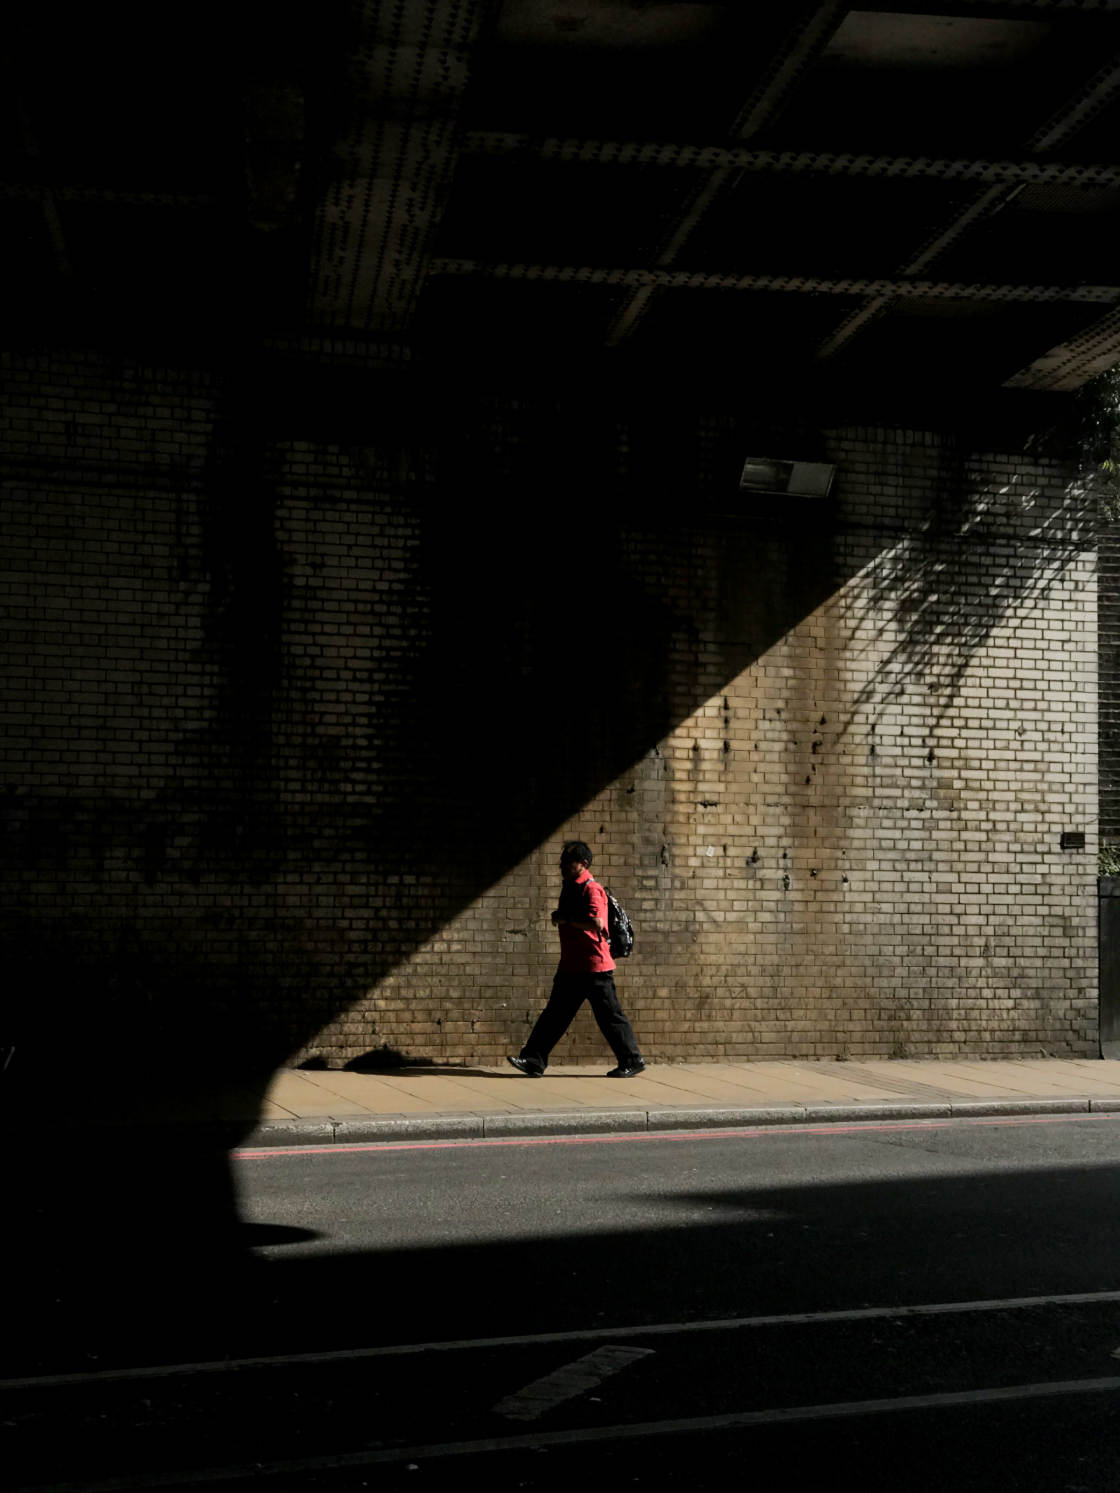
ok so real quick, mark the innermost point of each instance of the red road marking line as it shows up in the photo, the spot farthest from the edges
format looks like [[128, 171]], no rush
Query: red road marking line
[[818, 1127]]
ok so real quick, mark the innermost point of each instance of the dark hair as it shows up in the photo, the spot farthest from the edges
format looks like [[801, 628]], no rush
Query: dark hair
[[576, 850]]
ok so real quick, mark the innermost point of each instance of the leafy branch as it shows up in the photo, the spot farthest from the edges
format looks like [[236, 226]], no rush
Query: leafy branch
[[1100, 442]]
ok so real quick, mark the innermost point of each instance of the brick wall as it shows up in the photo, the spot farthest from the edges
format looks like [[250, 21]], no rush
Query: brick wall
[[1109, 662], [310, 678]]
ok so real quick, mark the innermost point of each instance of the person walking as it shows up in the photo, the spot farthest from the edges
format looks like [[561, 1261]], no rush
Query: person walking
[[585, 973]]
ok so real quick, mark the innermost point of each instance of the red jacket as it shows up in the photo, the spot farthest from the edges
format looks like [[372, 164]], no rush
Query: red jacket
[[581, 951]]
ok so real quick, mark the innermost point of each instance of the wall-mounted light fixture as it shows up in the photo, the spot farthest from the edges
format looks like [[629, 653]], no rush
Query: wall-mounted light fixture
[[801, 479]]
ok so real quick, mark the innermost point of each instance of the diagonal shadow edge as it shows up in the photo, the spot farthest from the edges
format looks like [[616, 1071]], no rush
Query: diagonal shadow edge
[[475, 649]]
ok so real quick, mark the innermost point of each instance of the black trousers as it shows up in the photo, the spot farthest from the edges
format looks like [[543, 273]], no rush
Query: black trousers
[[569, 991]]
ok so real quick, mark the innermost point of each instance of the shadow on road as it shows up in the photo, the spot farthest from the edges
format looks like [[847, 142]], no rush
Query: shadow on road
[[96, 1295]]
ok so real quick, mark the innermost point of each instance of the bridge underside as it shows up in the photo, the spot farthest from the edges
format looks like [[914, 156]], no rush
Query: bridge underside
[[811, 197], [380, 382]]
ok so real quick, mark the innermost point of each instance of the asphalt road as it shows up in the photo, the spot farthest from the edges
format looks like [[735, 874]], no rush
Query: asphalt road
[[935, 1306]]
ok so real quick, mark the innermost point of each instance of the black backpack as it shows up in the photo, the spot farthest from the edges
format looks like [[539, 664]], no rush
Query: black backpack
[[619, 928]]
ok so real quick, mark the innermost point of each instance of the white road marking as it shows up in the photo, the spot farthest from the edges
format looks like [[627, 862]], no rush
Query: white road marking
[[566, 1383], [641, 1431], [579, 1335]]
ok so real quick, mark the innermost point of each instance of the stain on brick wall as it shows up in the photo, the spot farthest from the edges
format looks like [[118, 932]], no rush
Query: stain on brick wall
[[307, 687]]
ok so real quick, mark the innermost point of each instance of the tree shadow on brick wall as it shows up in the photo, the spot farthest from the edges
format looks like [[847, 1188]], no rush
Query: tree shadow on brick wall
[[564, 586], [995, 541]]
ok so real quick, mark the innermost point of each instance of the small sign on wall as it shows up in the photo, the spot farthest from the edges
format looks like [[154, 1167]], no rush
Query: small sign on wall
[[801, 479]]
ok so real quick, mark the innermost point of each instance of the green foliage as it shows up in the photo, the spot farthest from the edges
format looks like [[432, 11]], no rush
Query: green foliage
[[1100, 442], [1108, 860], [1108, 489]]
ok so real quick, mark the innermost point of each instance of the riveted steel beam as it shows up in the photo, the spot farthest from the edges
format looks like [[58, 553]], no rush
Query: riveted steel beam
[[133, 198], [789, 162], [1075, 361], [665, 278], [981, 206], [1001, 10], [803, 44], [391, 168], [1100, 91], [363, 350]]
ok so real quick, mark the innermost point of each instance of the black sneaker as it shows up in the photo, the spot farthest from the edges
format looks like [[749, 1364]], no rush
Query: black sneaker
[[626, 1070], [522, 1066]]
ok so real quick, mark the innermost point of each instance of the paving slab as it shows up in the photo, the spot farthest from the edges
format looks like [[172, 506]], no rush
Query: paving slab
[[353, 1088], [577, 1093], [270, 1111], [965, 1084], [483, 1092], [702, 1085], [294, 1094], [1061, 1077], [1094, 1083], [1008, 1078], [437, 1092], [765, 1093], [809, 1081], [843, 1083]]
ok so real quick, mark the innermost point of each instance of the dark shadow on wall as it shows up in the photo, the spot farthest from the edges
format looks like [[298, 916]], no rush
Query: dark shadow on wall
[[378, 750], [377, 740]]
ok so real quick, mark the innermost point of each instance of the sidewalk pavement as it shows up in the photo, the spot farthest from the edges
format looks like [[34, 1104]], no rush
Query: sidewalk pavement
[[320, 1107]]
